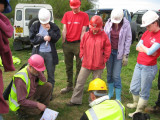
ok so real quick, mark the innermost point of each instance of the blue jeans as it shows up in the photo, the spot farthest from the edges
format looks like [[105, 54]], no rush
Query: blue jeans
[[142, 80], [1, 118], [114, 66], [48, 60]]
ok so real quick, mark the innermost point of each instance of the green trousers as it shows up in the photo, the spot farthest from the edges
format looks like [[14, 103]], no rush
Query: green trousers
[[70, 50]]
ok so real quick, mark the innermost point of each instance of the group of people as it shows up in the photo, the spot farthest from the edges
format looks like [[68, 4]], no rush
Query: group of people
[[93, 50]]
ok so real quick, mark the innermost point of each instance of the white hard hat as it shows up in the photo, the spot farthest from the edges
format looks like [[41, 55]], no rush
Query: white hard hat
[[44, 16], [148, 18], [116, 15]]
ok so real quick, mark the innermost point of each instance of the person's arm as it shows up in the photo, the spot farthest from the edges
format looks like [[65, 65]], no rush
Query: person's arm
[[83, 31], [107, 49], [34, 37], [149, 51], [22, 93], [54, 33], [81, 47], [128, 40], [138, 46], [152, 49], [42, 77], [5, 26], [64, 32]]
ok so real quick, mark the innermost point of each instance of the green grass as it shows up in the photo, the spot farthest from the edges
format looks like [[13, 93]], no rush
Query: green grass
[[59, 101]]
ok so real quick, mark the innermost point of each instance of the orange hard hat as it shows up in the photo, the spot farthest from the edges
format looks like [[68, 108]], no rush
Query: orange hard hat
[[95, 23], [37, 62], [75, 3]]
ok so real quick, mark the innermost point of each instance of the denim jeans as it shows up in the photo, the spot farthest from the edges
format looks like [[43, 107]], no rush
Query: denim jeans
[[142, 80], [1, 118], [114, 66], [48, 59]]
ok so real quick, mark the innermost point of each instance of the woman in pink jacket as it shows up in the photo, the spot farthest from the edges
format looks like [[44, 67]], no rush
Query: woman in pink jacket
[[6, 31], [95, 50]]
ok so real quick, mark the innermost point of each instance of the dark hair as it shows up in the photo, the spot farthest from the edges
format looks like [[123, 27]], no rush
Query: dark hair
[[157, 21], [4, 2]]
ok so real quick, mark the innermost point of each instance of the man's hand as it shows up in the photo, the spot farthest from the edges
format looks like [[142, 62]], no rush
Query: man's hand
[[125, 60], [47, 38], [41, 106]]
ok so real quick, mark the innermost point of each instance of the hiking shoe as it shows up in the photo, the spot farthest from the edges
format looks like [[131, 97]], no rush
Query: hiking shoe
[[155, 109], [71, 104], [66, 90]]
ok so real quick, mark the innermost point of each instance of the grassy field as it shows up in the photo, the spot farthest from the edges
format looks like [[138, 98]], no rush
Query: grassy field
[[59, 101]]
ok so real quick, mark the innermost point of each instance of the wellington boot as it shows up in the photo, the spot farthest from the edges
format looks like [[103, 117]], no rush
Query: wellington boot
[[118, 94], [110, 90], [140, 107], [135, 102]]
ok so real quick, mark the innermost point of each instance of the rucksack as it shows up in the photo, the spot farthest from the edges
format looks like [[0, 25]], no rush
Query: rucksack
[[141, 116]]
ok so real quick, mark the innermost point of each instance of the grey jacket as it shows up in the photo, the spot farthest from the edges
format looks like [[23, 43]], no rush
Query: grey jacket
[[125, 37]]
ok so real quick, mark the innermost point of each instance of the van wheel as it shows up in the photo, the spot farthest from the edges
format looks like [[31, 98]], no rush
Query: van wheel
[[32, 21]]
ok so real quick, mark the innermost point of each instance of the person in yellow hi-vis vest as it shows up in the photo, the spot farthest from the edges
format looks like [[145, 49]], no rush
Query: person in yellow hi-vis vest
[[30, 93], [101, 107]]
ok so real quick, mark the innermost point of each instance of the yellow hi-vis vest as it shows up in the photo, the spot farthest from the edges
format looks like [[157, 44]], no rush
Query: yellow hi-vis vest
[[107, 110], [23, 74]]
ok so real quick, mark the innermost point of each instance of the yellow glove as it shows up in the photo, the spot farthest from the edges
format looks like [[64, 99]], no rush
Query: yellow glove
[[125, 60]]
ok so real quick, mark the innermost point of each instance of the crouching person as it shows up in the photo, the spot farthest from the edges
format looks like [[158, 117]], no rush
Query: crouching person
[[30, 93], [101, 107]]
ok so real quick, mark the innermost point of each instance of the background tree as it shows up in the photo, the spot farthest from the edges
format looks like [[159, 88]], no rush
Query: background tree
[[59, 6]]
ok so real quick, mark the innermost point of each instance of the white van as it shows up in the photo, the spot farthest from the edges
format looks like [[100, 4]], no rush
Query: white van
[[25, 16]]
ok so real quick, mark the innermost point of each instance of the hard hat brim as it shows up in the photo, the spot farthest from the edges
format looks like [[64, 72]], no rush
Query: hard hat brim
[[42, 22], [73, 7], [115, 21], [40, 69]]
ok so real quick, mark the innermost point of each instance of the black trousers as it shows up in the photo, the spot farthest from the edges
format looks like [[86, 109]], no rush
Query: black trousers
[[158, 101]]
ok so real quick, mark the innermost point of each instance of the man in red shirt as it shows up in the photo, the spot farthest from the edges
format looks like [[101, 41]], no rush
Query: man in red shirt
[[75, 23]]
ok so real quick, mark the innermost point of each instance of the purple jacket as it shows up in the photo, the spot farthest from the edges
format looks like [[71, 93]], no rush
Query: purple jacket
[[125, 37]]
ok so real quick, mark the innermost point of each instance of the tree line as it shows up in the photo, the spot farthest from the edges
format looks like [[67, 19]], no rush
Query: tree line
[[59, 6]]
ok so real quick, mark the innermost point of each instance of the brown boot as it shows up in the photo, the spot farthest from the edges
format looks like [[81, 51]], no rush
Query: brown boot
[[155, 109], [66, 90]]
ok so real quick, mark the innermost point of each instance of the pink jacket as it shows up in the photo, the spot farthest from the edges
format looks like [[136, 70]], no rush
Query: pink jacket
[[6, 31], [95, 50]]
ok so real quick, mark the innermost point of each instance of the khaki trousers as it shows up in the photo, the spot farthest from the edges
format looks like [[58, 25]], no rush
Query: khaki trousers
[[42, 95], [70, 50], [82, 77]]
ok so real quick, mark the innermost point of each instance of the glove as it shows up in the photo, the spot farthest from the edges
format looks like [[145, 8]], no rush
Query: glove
[[125, 60]]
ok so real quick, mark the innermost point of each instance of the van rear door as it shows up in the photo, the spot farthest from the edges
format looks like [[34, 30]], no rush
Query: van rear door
[[29, 13], [18, 26]]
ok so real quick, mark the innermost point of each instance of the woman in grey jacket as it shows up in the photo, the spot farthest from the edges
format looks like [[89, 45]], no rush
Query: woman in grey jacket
[[119, 32]]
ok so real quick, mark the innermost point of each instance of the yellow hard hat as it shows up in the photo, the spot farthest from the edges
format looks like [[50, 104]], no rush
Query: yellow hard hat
[[97, 84]]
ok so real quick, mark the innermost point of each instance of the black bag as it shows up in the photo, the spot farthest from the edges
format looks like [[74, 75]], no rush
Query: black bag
[[141, 116], [8, 89]]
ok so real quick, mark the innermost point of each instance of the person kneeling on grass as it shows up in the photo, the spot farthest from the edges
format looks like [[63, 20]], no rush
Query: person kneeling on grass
[[101, 107], [30, 93]]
